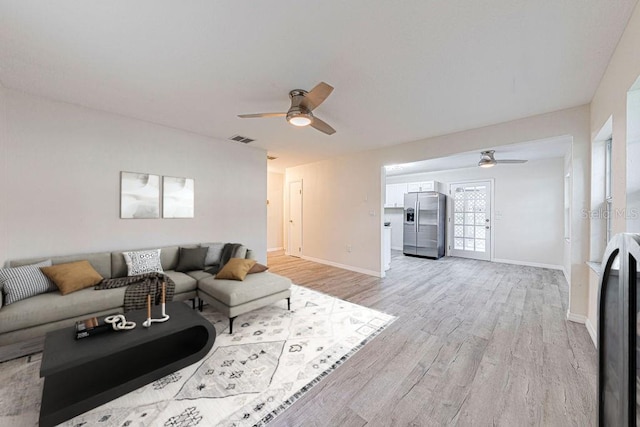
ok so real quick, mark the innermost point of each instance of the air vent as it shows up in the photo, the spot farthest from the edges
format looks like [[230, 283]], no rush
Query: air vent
[[271, 158], [240, 138]]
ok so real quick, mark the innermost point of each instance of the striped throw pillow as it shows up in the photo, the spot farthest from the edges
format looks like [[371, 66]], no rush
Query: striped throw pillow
[[18, 283]]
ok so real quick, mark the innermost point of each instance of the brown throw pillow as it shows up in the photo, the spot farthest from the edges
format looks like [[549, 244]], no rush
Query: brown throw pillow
[[236, 269], [72, 276], [257, 268]]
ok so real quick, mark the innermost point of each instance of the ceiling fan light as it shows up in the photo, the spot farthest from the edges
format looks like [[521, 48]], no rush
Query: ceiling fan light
[[301, 120], [486, 163]]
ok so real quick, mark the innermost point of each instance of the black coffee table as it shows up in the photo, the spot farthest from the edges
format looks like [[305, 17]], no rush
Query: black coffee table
[[83, 374]]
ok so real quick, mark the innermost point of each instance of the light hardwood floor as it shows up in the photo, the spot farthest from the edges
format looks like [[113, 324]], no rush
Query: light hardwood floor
[[475, 343]]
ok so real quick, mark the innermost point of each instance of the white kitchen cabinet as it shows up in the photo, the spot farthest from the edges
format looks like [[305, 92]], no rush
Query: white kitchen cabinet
[[426, 186], [395, 195]]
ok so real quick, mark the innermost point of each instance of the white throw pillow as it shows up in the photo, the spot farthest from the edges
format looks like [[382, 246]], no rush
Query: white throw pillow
[[141, 262], [22, 282]]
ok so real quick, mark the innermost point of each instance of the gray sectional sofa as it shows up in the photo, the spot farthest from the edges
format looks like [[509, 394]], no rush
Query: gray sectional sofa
[[28, 320]]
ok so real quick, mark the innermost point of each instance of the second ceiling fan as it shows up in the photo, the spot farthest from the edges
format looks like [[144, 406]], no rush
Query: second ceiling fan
[[487, 160], [302, 105]]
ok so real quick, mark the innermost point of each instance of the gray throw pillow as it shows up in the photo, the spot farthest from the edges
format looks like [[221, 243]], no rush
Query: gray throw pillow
[[191, 259], [213, 253], [22, 282]]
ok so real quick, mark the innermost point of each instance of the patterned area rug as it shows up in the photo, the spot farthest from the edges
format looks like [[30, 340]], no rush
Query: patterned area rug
[[247, 378]]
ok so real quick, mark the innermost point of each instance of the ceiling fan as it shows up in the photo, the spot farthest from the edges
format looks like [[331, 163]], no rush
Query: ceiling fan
[[487, 160], [302, 105]]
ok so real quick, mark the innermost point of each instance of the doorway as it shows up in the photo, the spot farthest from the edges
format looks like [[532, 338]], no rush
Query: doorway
[[470, 221], [294, 244]]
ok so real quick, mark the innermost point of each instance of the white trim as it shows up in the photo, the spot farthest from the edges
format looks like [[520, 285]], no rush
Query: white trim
[[531, 264], [592, 332], [275, 249], [577, 318], [344, 266], [398, 248], [566, 275]]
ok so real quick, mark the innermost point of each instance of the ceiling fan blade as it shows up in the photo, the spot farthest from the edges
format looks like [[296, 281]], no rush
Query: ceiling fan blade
[[322, 126], [259, 115], [316, 96], [511, 161]]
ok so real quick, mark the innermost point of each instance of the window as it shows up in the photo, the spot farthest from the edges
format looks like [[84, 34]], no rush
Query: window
[[608, 199]]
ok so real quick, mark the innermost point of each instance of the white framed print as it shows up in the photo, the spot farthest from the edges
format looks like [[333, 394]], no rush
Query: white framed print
[[178, 197], [139, 195]]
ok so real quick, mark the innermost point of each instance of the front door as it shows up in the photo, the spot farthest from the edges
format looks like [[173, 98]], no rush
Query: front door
[[471, 220], [294, 247]]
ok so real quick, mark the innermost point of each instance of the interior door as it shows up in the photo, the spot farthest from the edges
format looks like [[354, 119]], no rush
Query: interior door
[[294, 247], [471, 220]]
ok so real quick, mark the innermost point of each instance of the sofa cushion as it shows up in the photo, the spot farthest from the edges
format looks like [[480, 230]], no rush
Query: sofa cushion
[[235, 269], [199, 274], [72, 276], [191, 259], [184, 282], [53, 306], [18, 283], [254, 286], [214, 251], [142, 262]]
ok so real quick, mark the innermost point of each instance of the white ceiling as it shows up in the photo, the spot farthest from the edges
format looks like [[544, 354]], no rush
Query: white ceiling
[[402, 71], [532, 150]]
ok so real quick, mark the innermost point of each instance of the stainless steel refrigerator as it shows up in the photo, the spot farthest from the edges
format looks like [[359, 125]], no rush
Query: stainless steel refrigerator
[[424, 224]]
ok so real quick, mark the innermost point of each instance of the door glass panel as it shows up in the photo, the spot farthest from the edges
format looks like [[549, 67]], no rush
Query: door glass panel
[[468, 244], [458, 244], [480, 245], [459, 218], [468, 218], [469, 206], [458, 231], [480, 232], [480, 218], [468, 231]]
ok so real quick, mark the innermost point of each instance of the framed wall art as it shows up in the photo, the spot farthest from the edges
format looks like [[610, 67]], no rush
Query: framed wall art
[[139, 195], [177, 197]]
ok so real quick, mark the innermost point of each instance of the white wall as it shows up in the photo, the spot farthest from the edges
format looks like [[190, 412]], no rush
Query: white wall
[[528, 209], [62, 182], [633, 161], [275, 233], [343, 196], [610, 100], [4, 184]]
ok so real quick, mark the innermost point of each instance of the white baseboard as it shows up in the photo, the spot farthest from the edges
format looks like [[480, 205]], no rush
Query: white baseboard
[[577, 318], [529, 264], [566, 275], [343, 266], [275, 249], [592, 332]]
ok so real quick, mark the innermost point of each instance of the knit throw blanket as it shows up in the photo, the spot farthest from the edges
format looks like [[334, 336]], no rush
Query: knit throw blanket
[[138, 287]]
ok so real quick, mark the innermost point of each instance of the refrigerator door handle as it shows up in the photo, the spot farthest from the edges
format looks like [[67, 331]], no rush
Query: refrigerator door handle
[[417, 216]]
